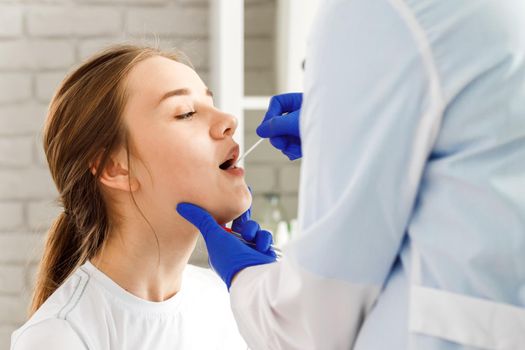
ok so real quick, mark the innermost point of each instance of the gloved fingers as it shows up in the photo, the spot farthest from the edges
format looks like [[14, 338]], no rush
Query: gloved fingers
[[238, 223], [284, 103], [292, 157], [263, 241], [265, 130], [291, 101], [293, 151], [199, 217], [249, 230], [271, 253], [280, 125], [279, 142]]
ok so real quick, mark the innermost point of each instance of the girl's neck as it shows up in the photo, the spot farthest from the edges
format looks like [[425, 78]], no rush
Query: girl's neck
[[148, 265]]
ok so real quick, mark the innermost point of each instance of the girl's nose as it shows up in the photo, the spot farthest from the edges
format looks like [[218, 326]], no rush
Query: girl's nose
[[224, 125]]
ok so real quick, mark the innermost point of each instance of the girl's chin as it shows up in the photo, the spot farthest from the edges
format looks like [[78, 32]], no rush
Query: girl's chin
[[234, 213], [224, 219]]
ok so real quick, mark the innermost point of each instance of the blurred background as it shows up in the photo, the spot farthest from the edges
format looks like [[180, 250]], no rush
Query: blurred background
[[245, 50]]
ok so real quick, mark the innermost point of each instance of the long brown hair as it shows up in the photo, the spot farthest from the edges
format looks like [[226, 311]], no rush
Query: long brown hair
[[84, 124]]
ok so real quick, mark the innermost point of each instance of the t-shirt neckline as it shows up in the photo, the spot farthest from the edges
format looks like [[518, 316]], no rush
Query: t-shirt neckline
[[132, 301]]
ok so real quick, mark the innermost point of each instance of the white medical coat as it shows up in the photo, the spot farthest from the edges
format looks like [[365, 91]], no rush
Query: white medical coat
[[412, 189]]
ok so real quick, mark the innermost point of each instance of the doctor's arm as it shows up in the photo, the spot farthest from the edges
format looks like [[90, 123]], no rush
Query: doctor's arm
[[371, 113]]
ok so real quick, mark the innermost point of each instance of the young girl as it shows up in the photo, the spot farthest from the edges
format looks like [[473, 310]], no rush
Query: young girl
[[131, 133]]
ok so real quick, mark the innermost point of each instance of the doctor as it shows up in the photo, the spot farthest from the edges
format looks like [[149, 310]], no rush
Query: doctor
[[412, 190]]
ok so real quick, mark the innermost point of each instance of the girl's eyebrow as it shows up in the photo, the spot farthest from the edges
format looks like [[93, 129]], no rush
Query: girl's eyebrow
[[181, 92]]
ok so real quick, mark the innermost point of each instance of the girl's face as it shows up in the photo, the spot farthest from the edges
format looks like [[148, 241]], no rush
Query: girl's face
[[180, 139]]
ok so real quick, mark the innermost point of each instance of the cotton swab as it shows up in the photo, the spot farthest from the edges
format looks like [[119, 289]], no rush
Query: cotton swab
[[249, 151]]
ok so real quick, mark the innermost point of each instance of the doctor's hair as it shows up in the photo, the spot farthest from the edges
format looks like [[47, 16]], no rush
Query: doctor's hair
[[84, 126]]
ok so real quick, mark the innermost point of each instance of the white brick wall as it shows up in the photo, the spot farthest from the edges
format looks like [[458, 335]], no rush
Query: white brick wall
[[46, 83], [15, 87], [10, 22], [16, 151], [21, 118], [185, 21], [11, 215], [26, 183], [40, 213], [20, 247], [10, 281], [73, 21], [36, 54], [13, 308], [41, 40], [5, 336]]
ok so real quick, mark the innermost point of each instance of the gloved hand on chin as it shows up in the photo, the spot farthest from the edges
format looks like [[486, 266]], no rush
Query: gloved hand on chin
[[227, 254]]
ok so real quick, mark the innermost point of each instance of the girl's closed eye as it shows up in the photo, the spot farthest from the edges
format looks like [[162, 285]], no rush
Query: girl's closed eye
[[185, 115]]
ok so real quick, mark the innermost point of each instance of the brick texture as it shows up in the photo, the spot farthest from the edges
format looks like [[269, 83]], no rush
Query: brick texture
[[36, 54], [14, 87], [5, 335], [11, 215], [78, 21], [22, 118], [10, 21], [185, 21]]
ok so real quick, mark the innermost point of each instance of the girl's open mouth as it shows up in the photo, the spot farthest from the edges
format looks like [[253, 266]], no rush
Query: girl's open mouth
[[231, 159], [229, 165], [232, 169]]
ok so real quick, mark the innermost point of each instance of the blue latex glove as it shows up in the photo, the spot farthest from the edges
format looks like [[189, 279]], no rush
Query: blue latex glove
[[281, 124], [227, 254]]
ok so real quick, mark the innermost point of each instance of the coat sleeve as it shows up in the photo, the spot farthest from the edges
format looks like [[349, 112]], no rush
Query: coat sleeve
[[372, 111]]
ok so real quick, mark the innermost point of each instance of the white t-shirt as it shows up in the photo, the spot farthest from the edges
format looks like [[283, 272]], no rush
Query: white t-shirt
[[90, 311]]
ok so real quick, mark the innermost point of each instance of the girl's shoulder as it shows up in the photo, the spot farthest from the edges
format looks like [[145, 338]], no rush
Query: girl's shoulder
[[48, 328], [49, 333]]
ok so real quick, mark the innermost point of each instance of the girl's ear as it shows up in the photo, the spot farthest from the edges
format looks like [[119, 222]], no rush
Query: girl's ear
[[115, 174]]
